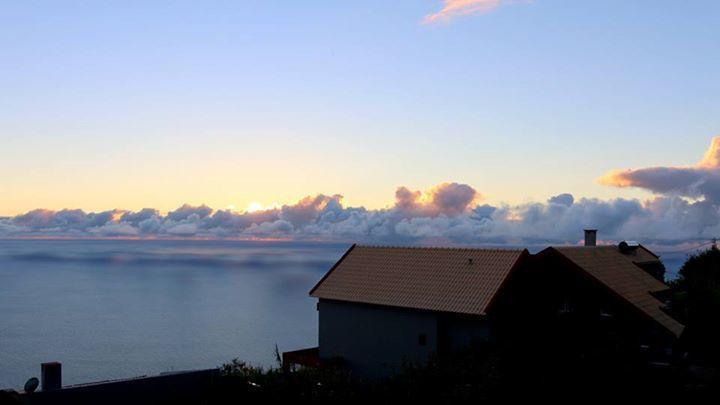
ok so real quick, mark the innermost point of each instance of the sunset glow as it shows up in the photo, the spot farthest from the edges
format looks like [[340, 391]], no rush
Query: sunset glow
[[256, 206], [317, 120]]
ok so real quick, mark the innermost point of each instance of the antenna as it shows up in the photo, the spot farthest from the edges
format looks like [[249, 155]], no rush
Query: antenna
[[31, 385]]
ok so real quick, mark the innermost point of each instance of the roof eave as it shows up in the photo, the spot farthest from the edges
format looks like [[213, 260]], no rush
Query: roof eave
[[332, 269]]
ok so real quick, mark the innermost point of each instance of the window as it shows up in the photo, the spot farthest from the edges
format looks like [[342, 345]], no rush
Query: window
[[566, 308], [605, 314], [422, 339]]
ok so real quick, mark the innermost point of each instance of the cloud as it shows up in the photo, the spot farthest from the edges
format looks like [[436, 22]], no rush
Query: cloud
[[187, 210], [562, 199], [277, 229], [114, 229], [446, 198], [449, 213], [699, 181], [309, 208], [136, 218], [457, 8]]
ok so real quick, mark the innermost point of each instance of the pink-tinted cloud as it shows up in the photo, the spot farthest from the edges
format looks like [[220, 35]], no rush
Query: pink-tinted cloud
[[711, 159], [701, 180], [458, 8], [447, 199], [446, 213]]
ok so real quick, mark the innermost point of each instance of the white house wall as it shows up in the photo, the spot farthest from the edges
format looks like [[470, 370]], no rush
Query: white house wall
[[375, 340]]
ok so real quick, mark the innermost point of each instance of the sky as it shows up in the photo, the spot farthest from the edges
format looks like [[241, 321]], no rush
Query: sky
[[256, 105]]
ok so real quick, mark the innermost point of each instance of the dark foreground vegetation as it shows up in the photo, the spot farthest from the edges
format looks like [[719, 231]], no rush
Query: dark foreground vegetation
[[484, 373], [696, 303]]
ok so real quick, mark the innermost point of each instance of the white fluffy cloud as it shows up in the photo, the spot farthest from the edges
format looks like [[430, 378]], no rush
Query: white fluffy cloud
[[447, 213]]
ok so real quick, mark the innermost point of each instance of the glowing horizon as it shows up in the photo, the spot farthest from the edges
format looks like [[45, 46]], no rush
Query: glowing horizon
[[154, 105]]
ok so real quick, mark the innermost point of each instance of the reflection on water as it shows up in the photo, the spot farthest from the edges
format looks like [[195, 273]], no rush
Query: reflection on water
[[111, 309]]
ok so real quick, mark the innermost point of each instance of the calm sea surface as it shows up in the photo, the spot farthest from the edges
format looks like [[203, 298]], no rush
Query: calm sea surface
[[114, 309]]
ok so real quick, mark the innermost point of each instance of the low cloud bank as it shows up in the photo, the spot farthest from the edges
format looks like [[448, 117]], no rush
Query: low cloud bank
[[449, 213]]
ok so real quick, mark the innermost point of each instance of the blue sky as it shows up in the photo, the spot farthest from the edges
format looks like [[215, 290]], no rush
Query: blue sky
[[154, 104]]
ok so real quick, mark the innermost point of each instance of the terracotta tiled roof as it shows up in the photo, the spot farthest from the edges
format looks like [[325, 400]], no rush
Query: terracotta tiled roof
[[438, 279], [618, 272], [641, 255]]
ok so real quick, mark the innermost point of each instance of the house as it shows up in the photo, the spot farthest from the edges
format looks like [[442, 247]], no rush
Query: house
[[578, 295], [380, 307]]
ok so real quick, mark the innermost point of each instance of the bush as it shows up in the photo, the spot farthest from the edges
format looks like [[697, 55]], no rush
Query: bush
[[488, 373]]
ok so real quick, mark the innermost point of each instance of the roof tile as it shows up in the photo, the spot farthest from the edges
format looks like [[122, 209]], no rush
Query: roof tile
[[437, 279], [618, 272]]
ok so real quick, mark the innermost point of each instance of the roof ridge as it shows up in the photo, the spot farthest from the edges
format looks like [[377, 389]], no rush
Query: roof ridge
[[581, 246], [458, 248]]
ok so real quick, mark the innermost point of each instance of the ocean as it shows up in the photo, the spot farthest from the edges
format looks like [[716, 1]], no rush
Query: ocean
[[112, 309]]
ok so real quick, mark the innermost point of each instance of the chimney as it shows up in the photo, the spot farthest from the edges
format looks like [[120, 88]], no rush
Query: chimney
[[51, 376], [590, 237]]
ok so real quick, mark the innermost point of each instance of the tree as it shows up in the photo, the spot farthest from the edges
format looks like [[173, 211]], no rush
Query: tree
[[696, 303]]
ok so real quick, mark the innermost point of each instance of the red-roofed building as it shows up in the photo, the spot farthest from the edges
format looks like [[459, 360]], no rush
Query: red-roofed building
[[380, 307]]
